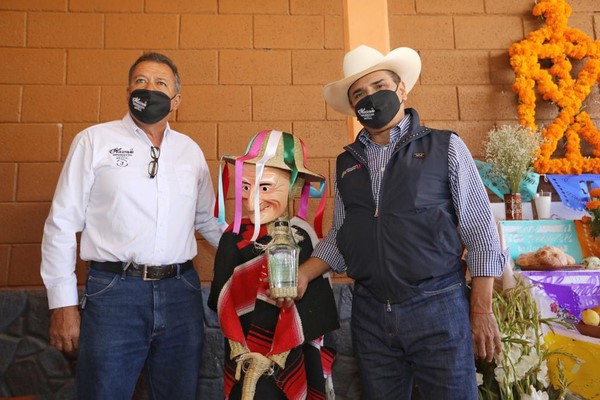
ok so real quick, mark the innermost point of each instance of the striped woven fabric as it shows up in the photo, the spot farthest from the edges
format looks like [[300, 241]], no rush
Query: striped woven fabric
[[251, 319]]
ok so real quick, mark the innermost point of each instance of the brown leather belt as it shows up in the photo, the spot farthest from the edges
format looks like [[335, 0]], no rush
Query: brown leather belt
[[145, 271]]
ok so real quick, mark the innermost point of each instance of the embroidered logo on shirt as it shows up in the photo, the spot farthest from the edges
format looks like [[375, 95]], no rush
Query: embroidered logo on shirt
[[121, 156], [419, 155], [352, 168]]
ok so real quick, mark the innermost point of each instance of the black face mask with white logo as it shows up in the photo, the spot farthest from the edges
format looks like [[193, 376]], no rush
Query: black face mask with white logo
[[149, 106], [378, 109]]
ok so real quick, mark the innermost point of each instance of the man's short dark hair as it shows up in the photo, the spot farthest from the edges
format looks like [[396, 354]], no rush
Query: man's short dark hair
[[394, 76], [161, 59]]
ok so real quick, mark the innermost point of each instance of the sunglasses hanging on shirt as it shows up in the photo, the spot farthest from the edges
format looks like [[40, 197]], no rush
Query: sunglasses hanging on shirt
[[153, 165]]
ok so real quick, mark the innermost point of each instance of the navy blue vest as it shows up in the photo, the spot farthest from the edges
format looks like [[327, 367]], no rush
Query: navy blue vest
[[411, 241]]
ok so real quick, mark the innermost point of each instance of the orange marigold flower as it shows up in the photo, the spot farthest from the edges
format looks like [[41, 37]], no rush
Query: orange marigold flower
[[592, 205], [560, 44]]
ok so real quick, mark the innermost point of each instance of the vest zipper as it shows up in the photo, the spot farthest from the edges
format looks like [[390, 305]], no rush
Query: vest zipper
[[388, 306]]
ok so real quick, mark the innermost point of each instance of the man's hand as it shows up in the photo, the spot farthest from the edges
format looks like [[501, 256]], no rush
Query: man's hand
[[303, 281], [484, 327], [486, 336], [309, 270], [64, 328]]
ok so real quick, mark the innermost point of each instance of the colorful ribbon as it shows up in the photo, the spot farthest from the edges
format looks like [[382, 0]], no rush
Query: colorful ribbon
[[289, 157], [254, 149], [318, 221], [269, 152], [223, 183], [309, 191]]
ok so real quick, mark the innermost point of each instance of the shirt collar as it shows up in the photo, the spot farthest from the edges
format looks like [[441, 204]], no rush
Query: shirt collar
[[132, 127], [395, 133]]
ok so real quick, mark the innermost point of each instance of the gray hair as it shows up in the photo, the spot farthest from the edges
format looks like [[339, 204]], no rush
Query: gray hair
[[161, 59]]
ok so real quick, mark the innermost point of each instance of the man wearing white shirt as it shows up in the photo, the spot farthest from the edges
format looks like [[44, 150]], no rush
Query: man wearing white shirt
[[136, 190]]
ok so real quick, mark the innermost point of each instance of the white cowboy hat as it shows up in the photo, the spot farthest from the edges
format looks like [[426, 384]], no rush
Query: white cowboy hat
[[405, 62]]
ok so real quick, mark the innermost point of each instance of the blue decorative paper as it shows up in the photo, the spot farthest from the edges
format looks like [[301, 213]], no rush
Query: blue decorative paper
[[573, 190], [499, 187]]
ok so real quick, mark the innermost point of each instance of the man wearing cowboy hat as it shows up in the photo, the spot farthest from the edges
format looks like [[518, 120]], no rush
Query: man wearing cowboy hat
[[407, 198]]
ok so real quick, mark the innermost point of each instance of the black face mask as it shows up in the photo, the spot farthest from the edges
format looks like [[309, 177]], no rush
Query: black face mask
[[149, 106], [378, 109]]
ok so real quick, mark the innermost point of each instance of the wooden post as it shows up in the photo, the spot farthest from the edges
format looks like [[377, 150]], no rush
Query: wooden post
[[365, 22]]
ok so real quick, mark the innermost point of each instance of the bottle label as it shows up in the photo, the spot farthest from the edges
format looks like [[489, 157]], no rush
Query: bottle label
[[282, 269]]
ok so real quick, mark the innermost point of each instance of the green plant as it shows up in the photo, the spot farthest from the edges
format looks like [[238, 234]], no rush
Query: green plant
[[520, 372], [512, 150]]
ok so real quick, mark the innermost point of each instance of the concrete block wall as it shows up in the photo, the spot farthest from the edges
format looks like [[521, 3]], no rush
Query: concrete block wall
[[465, 84], [245, 66]]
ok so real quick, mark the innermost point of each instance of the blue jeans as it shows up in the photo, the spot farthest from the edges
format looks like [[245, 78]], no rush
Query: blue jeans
[[129, 325], [426, 339]]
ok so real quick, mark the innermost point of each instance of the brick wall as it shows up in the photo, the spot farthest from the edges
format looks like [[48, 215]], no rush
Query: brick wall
[[245, 66]]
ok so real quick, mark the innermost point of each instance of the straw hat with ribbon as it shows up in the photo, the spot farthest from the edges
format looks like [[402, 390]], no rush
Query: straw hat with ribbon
[[363, 60], [271, 148]]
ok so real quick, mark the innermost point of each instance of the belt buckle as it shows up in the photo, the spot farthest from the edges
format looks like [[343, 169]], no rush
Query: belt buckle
[[145, 274]]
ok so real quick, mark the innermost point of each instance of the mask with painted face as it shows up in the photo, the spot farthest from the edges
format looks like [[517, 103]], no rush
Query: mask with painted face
[[272, 190]]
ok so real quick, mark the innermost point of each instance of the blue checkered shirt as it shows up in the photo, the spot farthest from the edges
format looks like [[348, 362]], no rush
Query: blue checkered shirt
[[476, 224]]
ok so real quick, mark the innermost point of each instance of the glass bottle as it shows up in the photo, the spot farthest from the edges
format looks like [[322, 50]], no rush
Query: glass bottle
[[283, 256]]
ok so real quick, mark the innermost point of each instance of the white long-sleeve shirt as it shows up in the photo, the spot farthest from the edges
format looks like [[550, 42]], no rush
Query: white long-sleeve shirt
[[106, 193]]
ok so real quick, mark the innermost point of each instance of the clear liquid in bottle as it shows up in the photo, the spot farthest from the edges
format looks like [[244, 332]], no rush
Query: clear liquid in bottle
[[282, 257]]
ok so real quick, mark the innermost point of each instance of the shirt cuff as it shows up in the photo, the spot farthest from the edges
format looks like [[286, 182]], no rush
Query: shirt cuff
[[63, 296], [487, 263]]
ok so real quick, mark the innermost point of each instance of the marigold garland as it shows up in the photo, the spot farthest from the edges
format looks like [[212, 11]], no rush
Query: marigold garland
[[558, 44]]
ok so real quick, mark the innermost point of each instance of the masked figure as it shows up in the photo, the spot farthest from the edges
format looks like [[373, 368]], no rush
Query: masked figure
[[270, 352]]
